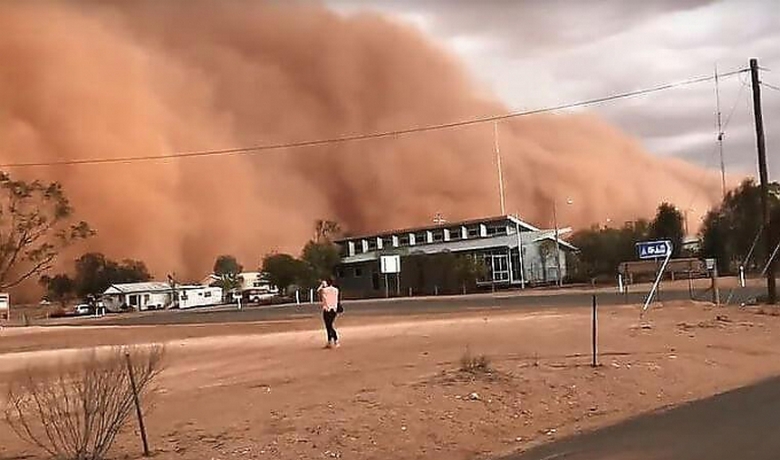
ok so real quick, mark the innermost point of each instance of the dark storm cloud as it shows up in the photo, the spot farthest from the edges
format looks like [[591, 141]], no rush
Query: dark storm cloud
[[540, 53]]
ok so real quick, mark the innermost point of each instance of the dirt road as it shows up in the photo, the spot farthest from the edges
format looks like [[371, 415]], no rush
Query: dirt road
[[394, 389]]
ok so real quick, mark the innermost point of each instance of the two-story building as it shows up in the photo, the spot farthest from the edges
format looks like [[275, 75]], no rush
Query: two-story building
[[515, 253]]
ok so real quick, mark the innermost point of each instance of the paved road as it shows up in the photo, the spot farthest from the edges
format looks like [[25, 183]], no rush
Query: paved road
[[506, 301], [739, 425]]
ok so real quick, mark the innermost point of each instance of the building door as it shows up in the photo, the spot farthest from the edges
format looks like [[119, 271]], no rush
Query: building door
[[500, 268]]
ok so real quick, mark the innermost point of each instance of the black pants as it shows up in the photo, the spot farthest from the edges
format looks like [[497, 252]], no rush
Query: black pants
[[329, 316]]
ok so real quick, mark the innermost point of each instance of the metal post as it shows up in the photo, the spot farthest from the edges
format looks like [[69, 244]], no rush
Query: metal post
[[387, 287], [520, 255], [764, 176], [690, 284], [138, 411], [297, 297], [557, 244], [657, 281], [593, 335], [715, 290]]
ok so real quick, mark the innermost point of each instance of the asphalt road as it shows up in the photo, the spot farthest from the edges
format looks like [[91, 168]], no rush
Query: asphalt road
[[504, 301], [738, 425]]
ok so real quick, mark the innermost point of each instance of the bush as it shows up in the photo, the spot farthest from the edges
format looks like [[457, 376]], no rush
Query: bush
[[479, 364], [75, 411]]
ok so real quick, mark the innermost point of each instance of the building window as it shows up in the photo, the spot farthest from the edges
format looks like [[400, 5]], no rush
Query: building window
[[473, 232], [438, 235], [495, 230], [403, 240], [358, 272], [207, 294]]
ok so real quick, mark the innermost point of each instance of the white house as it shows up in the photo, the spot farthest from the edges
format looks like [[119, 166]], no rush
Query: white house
[[152, 295]]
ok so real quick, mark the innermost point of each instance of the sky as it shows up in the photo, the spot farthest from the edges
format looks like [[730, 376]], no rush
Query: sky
[[533, 54]]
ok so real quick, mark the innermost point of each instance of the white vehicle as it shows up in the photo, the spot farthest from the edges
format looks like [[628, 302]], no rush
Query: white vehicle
[[83, 309], [199, 296]]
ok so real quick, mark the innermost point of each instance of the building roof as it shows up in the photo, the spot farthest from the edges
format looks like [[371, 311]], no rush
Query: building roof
[[131, 288], [459, 223]]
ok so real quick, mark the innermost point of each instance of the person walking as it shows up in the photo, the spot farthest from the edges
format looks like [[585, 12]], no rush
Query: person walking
[[329, 296]]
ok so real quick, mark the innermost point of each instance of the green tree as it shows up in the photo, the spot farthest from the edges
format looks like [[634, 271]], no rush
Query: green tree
[[733, 228], [669, 224], [468, 270], [36, 223], [94, 273], [602, 250], [283, 270], [326, 230], [227, 271], [227, 265], [321, 259], [59, 288]]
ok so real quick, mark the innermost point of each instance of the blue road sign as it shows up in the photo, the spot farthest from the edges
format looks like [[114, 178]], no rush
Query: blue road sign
[[654, 249]]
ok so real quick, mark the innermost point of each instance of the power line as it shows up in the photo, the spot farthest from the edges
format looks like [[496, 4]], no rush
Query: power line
[[776, 88], [376, 135]]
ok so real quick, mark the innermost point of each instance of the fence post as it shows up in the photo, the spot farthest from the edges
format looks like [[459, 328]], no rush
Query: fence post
[[690, 285], [715, 290], [138, 412], [593, 335]]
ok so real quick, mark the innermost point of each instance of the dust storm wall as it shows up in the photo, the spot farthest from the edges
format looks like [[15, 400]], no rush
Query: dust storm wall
[[124, 79]]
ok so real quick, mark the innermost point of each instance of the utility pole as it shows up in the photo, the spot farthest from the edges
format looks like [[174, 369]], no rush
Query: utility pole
[[557, 243], [500, 172], [720, 136], [762, 171]]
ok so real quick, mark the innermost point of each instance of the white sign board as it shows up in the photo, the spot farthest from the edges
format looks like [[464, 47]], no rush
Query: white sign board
[[390, 264], [711, 265], [654, 249]]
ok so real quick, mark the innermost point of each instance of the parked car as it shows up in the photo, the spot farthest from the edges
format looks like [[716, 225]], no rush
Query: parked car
[[83, 309]]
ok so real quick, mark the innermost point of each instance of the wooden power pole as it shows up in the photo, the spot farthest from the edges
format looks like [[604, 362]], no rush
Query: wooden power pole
[[762, 171]]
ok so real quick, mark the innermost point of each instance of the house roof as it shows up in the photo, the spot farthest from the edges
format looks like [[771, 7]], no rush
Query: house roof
[[131, 288], [459, 223]]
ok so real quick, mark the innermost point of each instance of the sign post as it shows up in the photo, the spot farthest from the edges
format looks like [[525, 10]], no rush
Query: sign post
[[389, 265], [654, 250]]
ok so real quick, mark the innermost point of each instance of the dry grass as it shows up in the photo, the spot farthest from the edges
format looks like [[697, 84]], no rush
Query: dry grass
[[74, 411], [475, 364]]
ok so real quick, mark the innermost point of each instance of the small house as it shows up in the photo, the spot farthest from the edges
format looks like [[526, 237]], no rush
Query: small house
[[151, 295]]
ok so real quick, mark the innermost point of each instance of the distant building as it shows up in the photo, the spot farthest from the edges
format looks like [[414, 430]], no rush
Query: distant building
[[495, 241], [155, 295]]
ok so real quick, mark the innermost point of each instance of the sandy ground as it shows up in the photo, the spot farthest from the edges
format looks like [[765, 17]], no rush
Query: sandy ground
[[394, 389]]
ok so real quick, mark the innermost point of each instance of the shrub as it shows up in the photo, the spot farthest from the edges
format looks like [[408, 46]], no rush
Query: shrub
[[475, 364], [74, 411]]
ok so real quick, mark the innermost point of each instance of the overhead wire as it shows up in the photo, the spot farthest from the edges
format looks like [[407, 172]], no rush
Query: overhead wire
[[376, 135], [770, 86]]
